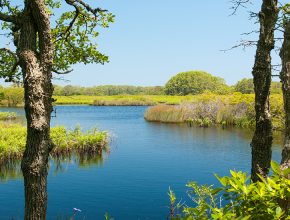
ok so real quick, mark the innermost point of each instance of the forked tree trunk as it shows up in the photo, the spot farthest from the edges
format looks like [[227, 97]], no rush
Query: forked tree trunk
[[262, 140], [285, 79], [35, 55]]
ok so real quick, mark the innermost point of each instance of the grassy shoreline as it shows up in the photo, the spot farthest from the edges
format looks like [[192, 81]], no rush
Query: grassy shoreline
[[120, 100], [67, 142], [209, 109]]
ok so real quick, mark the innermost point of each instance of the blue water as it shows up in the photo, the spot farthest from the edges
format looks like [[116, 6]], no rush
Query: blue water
[[145, 159]]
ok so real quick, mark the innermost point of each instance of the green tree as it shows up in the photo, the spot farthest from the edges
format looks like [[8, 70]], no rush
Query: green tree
[[42, 47], [195, 82], [14, 96], [245, 86]]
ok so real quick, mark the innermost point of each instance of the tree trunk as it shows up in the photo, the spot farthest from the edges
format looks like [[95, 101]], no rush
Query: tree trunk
[[285, 79], [262, 140], [35, 55]]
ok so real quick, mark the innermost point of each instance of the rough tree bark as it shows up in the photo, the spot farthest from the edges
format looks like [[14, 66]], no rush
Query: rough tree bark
[[73, 38], [35, 58], [285, 79], [262, 139]]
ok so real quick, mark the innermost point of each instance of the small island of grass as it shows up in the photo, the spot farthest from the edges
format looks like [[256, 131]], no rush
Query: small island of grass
[[67, 142]]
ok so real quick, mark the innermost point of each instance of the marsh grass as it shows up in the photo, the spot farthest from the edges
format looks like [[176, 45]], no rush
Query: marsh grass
[[67, 142], [5, 116], [121, 100], [209, 109]]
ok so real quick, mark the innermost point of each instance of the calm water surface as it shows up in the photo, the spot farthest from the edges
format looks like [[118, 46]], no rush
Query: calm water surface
[[145, 159]]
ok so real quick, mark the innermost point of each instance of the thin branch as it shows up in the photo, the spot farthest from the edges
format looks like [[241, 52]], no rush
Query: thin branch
[[60, 78], [243, 43], [90, 9], [7, 18], [61, 73], [237, 4]]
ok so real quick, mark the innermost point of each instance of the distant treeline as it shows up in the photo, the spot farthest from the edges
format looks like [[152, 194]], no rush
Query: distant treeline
[[182, 84], [107, 90]]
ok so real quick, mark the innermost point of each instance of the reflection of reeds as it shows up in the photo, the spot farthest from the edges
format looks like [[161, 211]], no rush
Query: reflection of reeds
[[10, 170]]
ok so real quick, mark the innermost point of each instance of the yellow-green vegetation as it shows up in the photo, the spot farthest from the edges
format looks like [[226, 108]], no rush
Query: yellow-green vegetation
[[7, 116], [196, 82], [67, 142], [121, 100], [246, 86], [74, 100], [237, 198], [207, 109]]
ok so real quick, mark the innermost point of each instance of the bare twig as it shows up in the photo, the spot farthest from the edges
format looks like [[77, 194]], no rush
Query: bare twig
[[60, 72], [238, 4]]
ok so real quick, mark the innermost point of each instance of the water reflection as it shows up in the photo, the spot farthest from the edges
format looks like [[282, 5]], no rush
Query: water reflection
[[10, 170]]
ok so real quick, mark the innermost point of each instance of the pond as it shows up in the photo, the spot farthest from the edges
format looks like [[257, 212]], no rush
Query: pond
[[145, 160]]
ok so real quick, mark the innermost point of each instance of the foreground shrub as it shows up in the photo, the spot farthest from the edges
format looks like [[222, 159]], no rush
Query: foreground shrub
[[237, 198]]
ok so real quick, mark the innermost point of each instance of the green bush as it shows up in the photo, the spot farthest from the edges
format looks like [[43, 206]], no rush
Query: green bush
[[246, 86], [237, 198], [195, 82], [14, 96]]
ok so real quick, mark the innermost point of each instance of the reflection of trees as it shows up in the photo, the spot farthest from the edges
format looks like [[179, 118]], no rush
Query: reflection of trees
[[10, 170]]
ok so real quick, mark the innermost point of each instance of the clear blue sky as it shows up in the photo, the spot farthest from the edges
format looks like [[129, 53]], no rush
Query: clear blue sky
[[152, 40]]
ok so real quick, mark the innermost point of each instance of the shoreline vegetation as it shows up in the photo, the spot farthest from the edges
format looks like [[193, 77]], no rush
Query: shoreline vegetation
[[7, 116], [207, 109], [210, 109], [67, 142]]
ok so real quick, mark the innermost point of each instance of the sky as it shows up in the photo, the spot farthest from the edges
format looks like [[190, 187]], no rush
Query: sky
[[153, 40]]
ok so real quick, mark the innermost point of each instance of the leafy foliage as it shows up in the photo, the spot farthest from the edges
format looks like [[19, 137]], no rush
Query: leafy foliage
[[237, 198], [246, 86], [107, 90], [195, 82], [74, 35], [14, 96]]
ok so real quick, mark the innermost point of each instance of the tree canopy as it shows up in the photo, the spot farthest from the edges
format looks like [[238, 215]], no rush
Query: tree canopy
[[74, 34], [246, 86], [195, 82]]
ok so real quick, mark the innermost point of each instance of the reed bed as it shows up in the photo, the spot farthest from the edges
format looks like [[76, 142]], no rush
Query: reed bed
[[210, 109], [67, 142]]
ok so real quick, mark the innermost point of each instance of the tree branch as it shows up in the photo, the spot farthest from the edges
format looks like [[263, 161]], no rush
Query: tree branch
[[61, 73], [7, 18], [237, 4]]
